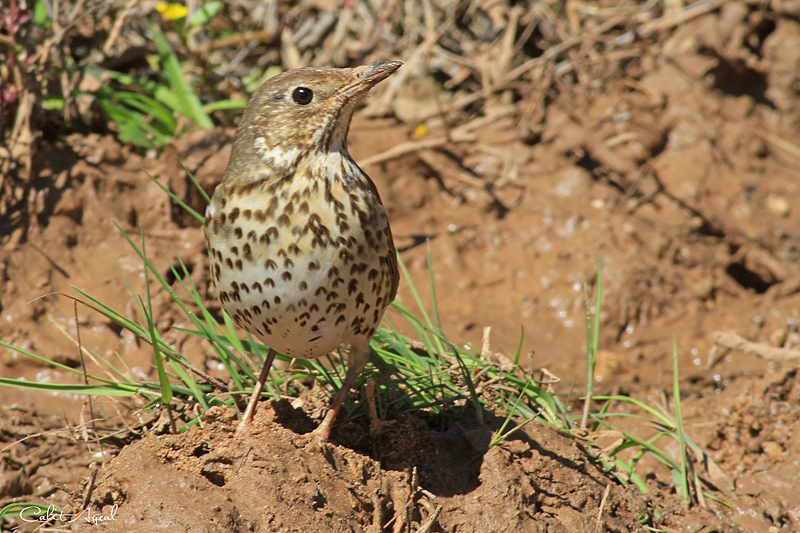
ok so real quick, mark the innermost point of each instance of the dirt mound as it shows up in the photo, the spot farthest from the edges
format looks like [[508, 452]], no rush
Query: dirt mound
[[272, 479]]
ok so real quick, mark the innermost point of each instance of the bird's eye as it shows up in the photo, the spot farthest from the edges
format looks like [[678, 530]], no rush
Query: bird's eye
[[303, 95]]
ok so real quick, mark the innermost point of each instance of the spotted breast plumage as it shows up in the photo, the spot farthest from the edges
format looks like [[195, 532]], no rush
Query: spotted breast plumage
[[300, 246]]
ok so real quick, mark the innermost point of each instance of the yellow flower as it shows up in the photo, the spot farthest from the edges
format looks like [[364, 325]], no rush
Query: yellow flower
[[421, 131], [172, 11]]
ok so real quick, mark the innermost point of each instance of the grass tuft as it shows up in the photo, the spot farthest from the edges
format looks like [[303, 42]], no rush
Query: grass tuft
[[152, 113]]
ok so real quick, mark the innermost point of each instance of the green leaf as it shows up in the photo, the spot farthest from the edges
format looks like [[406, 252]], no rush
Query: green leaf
[[224, 105], [205, 13], [40, 15], [186, 100], [118, 389], [27, 510], [150, 108], [682, 477], [53, 103]]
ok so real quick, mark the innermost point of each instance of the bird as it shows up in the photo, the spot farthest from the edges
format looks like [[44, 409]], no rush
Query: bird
[[300, 248]]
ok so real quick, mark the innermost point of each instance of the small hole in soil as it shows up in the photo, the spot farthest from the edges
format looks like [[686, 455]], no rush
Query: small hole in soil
[[318, 501], [747, 278], [200, 450], [755, 40], [214, 476], [735, 78]]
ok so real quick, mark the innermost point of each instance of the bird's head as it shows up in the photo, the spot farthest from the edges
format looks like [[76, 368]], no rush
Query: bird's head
[[303, 111]]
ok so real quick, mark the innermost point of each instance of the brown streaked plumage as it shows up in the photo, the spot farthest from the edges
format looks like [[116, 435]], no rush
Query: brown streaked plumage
[[301, 252]]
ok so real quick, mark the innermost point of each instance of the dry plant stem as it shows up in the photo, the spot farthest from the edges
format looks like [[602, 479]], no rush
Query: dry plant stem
[[264, 36], [384, 16], [83, 367], [462, 134], [84, 351], [413, 66], [376, 423], [339, 33], [22, 137], [113, 35], [681, 17], [173, 428], [210, 379], [780, 142], [87, 495], [431, 521], [552, 52], [698, 489], [506, 55], [486, 342], [377, 512], [585, 415], [773, 353], [402, 149], [603, 501]]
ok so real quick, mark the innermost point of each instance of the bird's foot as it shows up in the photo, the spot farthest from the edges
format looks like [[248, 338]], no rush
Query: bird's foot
[[320, 435], [242, 427]]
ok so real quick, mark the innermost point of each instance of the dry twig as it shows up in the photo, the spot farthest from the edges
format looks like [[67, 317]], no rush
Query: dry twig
[[765, 351]]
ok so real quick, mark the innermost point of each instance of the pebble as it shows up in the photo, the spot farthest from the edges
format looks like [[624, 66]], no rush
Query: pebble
[[778, 205]]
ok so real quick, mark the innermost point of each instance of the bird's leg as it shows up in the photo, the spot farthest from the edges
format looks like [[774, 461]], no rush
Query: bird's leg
[[356, 361], [247, 418]]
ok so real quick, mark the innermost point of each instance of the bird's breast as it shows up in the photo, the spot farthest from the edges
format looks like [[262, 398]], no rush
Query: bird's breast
[[301, 263]]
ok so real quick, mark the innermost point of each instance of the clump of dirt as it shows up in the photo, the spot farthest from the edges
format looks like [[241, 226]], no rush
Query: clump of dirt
[[272, 479]]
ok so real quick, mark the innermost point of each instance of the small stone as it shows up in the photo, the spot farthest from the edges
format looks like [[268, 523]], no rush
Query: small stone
[[598, 203], [778, 205], [773, 451]]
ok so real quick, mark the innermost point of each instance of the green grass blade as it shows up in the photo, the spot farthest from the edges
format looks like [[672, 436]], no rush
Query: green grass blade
[[200, 218], [149, 107], [518, 354], [52, 363], [598, 297], [434, 306], [199, 188], [592, 340], [163, 379], [191, 383], [205, 12], [29, 510], [132, 125], [118, 389], [684, 479], [643, 406], [225, 105], [187, 102], [414, 292], [145, 86], [465, 372]]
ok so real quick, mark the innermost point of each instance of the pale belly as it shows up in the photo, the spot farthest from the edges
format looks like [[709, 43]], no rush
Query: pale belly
[[299, 289]]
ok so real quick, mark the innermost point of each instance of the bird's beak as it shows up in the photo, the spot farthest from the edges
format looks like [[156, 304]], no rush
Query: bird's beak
[[367, 76], [378, 72]]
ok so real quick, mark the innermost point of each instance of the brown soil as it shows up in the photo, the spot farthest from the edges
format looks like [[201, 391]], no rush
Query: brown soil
[[273, 480], [682, 177]]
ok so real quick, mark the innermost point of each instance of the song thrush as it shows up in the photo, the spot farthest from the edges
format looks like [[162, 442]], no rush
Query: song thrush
[[301, 252]]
